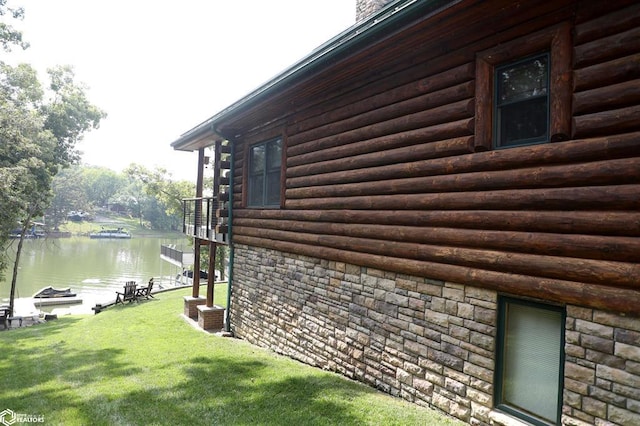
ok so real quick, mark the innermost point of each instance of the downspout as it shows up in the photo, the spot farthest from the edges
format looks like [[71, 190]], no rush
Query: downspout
[[227, 320]]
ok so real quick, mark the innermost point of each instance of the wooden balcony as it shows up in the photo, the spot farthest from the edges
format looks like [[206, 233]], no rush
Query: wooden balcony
[[206, 218]]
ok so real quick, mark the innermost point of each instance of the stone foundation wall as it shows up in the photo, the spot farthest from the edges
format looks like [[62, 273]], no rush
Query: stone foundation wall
[[427, 341], [602, 368]]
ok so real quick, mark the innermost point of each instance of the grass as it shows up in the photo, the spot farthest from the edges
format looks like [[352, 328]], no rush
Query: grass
[[144, 365]]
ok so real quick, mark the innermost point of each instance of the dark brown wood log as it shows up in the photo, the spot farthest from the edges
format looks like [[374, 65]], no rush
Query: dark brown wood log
[[562, 291], [622, 197], [589, 10], [607, 48], [607, 97], [617, 274], [401, 107], [582, 150], [610, 172], [608, 24], [446, 148], [484, 105], [622, 249], [625, 224], [438, 132], [211, 274], [607, 122], [607, 73], [403, 83], [561, 83], [304, 153]]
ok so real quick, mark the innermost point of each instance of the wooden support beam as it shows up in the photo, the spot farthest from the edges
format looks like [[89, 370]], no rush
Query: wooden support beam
[[211, 277]]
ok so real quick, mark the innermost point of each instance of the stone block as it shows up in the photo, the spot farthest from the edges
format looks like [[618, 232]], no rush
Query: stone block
[[597, 343], [627, 351], [623, 417], [618, 376], [607, 318], [191, 306], [211, 318], [594, 407], [579, 373], [579, 312]]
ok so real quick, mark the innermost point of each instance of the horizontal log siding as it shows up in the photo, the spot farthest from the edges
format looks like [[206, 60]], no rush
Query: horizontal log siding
[[606, 99], [385, 176]]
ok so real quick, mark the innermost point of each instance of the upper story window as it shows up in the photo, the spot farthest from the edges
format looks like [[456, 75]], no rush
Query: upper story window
[[522, 102], [524, 90], [265, 161]]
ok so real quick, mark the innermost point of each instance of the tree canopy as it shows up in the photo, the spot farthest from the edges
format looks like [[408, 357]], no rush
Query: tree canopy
[[39, 128]]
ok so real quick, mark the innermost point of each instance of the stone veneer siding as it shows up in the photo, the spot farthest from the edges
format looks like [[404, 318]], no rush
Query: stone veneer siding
[[427, 341]]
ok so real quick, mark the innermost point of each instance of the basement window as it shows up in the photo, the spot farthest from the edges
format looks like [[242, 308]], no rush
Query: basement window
[[265, 162], [529, 360]]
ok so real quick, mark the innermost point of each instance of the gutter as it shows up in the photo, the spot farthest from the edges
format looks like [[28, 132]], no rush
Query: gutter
[[227, 319]]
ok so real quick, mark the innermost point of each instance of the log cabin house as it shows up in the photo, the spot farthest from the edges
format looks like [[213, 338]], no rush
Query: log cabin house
[[443, 202]]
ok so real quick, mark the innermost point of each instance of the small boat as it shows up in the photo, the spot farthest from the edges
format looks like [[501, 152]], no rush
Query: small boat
[[110, 233], [50, 292], [55, 296]]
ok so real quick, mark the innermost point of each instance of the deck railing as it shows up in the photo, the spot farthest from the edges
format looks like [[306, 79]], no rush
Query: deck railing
[[202, 219], [177, 255]]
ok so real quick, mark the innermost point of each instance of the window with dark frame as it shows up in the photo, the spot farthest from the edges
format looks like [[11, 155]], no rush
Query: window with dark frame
[[521, 105], [529, 360], [265, 161], [524, 90]]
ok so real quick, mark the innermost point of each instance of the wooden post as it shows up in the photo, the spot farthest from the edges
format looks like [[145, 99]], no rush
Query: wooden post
[[212, 273], [195, 291]]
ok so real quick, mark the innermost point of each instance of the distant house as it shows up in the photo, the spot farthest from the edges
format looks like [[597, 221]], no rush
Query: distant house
[[443, 202]]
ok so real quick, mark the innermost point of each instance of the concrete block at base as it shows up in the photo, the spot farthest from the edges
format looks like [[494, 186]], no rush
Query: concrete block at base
[[211, 318], [191, 306]]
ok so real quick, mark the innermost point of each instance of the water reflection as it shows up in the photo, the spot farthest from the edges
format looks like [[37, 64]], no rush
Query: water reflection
[[92, 268]]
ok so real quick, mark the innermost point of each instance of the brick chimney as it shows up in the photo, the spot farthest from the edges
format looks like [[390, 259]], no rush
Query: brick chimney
[[365, 8]]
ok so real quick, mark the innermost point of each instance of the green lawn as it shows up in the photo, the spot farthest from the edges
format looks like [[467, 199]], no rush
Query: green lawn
[[143, 365]]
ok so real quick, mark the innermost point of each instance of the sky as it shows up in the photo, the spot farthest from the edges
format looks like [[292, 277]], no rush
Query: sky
[[158, 68]]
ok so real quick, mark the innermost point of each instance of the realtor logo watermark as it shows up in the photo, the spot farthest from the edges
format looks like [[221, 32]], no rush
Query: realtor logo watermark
[[8, 418]]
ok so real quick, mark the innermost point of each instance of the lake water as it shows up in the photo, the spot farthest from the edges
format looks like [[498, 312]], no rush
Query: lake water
[[93, 268]]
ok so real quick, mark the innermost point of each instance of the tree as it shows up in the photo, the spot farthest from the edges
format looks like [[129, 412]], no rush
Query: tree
[[68, 195], [8, 35], [38, 133], [158, 185], [101, 185]]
